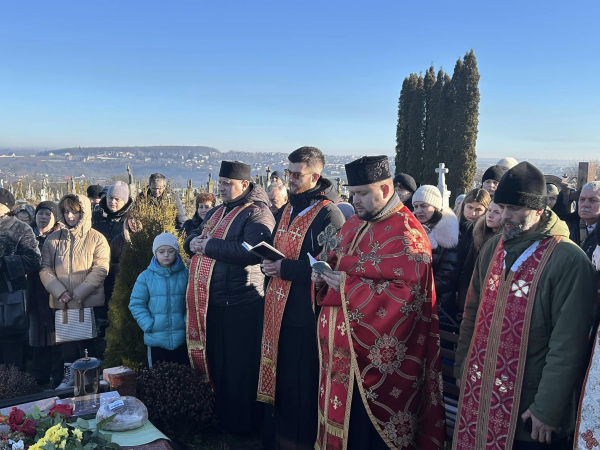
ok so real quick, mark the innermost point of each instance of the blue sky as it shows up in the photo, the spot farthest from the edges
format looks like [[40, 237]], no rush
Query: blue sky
[[272, 76]]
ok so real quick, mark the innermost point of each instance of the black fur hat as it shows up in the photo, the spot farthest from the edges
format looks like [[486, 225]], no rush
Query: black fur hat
[[523, 185]]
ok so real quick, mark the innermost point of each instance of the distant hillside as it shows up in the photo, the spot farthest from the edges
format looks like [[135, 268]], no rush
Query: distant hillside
[[149, 150]]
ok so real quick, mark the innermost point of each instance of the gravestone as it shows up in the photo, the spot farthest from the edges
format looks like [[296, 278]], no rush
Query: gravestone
[[442, 171]]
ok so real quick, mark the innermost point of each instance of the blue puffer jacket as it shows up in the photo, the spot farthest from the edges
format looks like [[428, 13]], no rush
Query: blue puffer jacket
[[158, 304]]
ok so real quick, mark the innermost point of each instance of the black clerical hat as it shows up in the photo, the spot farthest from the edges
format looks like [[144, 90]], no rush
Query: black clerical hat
[[235, 170], [523, 185], [367, 170]]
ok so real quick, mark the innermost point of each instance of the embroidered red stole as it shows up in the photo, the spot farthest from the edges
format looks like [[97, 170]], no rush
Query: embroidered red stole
[[382, 331], [199, 286], [288, 240], [587, 431], [493, 372]]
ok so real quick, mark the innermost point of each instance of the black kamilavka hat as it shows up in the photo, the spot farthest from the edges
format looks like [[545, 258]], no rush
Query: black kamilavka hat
[[367, 170], [235, 170], [523, 185]]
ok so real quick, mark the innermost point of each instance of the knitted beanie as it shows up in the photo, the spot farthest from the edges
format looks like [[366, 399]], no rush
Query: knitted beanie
[[6, 198], [53, 207], [523, 185], [93, 191], [406, 182], [165, 239], [493, 173], [507, 162], [118, 190], [428, 194]]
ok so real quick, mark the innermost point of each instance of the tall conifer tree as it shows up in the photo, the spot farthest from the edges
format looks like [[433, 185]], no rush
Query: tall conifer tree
[[416, 122], [403, 130], [432, 97]]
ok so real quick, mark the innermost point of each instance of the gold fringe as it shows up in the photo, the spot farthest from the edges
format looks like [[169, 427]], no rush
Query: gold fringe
[[265, 399]]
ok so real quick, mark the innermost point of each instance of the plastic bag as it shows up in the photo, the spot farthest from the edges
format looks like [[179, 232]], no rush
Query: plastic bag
[[130, 414]]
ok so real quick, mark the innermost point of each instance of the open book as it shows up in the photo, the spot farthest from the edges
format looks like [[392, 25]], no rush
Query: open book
[[264, 251], [319, 266]]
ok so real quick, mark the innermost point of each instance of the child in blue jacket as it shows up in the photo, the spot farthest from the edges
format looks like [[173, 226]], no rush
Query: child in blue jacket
[[158, 302]]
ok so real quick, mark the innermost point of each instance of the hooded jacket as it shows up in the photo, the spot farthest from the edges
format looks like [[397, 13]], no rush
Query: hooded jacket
[[19, 254], [109, 223], [236, 277], [158, 304], [298, 309], [558, 346], [76, 260]]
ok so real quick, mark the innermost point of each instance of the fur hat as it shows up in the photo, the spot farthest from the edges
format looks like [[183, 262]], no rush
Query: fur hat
[[368, 170], [523, 185], [493, 173], [119, 190], [165, 239], [6, 198], [428, 194], [406, 182]]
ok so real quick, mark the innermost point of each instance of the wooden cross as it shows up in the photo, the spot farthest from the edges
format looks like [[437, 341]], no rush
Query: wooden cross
[[328, 240], [295, 234]]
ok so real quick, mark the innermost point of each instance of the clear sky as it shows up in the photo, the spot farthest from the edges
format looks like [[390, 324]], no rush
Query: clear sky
[[272, 76]]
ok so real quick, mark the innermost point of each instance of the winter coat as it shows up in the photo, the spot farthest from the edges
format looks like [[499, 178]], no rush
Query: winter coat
[[76, 260], [158, 304], [41, 316], [298, 308], [181, 216], [444, 239], [19, 256], [191, 224], [558, 346], [589, 244], [236, 277], [481, 234], [277, 215], [109, 223]]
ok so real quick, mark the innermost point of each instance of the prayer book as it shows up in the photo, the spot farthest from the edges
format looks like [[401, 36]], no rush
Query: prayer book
[[264, 251], [319, 266]]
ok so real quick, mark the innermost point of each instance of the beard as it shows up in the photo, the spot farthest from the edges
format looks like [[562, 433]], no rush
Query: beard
[[518, 228]]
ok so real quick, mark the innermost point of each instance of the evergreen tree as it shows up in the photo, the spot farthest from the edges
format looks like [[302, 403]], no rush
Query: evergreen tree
[[124, 338], [409, 87], [432, 102], [416, 122]]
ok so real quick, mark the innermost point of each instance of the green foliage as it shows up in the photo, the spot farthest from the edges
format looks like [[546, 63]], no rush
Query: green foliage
[[180, 401], [437, 122], [124, 338], [14, 383]]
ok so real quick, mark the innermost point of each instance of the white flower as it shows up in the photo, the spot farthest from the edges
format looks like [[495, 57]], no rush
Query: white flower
[[16, 445]]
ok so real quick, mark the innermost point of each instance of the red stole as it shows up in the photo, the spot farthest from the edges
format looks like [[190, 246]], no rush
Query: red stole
[[288, 240], [382, 331], [493, 371], [199, 286]]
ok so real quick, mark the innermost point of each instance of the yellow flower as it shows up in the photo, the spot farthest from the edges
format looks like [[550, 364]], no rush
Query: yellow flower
[[78, 434], [63, 444]]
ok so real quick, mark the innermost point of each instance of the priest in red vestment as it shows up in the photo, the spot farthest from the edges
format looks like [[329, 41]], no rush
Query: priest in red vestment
[[380, 384]]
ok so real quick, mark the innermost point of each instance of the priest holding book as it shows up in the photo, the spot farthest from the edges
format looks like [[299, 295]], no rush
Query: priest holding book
[[225, 296], [289, 373], [381, 381]]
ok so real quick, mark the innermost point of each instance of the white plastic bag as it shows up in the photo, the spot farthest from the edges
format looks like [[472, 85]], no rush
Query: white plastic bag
[[130, 414]]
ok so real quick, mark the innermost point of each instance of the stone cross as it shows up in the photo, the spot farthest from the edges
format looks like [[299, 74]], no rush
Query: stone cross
[[442, 171], [268, 177]]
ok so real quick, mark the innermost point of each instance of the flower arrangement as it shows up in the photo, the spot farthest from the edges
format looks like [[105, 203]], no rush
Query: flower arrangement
[[52, 431]]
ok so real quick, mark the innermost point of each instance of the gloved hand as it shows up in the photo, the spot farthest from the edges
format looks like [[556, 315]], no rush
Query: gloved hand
[[596, 258]]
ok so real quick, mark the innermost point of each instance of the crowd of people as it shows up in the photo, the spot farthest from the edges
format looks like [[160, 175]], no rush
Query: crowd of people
[[344, 356]]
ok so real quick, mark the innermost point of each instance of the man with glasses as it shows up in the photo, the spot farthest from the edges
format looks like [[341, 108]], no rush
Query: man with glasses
[[225, 296], [289, 376], [157, 186]]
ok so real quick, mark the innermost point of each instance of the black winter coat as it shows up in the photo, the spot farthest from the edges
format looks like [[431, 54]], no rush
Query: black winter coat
[[236, 277], [590, 243], [181, 216], [191, 224], [109, 223], [19, 253], [298, 309], [42, 332]]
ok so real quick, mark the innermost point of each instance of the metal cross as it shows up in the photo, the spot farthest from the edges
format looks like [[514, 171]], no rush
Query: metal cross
[[328, 240]]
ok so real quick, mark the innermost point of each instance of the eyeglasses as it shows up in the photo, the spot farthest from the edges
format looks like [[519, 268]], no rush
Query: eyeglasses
[[295, 175]]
